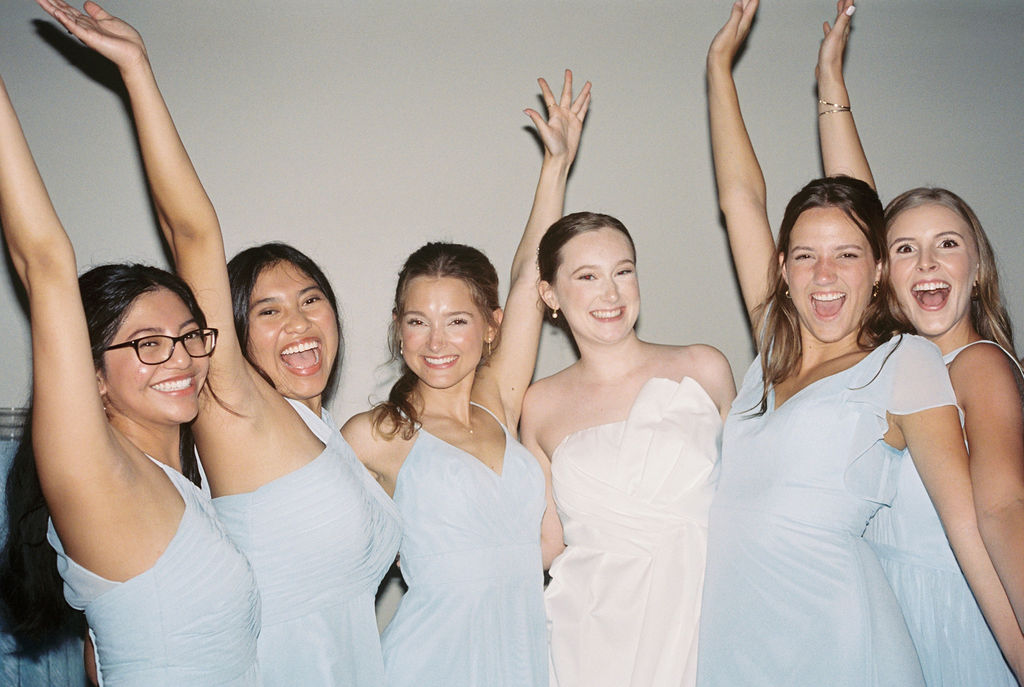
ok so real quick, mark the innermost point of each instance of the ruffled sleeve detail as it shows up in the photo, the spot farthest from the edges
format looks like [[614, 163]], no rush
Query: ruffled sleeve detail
[[903, 376]]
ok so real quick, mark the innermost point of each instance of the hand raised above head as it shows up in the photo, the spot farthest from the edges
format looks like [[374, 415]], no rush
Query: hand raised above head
[[833, 45], [564, 126], [98, 29], [730, 37]]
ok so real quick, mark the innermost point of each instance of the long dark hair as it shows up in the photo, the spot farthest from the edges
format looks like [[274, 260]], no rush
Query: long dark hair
[[779, 343], [397, 416], [244, 271], [30, 588]]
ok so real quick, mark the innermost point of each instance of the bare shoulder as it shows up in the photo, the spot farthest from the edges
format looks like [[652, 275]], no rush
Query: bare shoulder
[[547, 394], [705, 364], [380, 450], [548, 404], [985, 371], [698, 361]]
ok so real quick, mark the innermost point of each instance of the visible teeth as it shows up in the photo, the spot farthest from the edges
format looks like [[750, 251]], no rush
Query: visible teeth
[[300, 347], [441, 361], [606, 314], [175, 385], [826, 296], [930, 286]]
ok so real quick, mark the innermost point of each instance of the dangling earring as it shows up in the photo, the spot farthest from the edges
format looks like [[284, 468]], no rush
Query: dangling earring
[[488, 348], [554, 313], [401, 348], [874, 291], [974, 292]]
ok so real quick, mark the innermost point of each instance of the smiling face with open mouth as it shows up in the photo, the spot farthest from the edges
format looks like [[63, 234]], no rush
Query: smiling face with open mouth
[[596, 287], [149, 395], [442, 330], [830, 271], [293, 332], [934, 265]]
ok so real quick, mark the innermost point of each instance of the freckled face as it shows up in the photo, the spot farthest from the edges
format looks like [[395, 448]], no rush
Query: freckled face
[[596, 287], [933, 266], [293, 331], [164, 394], [442, 330], [830, 272]]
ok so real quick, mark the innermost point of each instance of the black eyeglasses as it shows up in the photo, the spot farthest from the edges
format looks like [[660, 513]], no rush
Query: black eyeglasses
[[158, 348]]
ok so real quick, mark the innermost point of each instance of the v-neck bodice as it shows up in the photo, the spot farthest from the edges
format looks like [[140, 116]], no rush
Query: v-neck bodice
[[470, 554], [789, 576]]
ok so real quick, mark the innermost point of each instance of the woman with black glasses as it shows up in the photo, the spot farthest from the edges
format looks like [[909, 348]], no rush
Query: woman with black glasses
[[119, 358]]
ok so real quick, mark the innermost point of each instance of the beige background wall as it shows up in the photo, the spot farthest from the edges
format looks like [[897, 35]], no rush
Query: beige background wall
[[359, 131]]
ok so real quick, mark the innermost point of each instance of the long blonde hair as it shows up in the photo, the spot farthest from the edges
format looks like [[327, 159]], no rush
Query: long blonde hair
[[988, 314]]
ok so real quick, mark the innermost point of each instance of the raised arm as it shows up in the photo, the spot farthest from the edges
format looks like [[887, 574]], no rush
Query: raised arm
[[511, 368], [936, 445], [741, 188], [75, 460], [186, 215], [985, 380], [540, 405], [841, 150]]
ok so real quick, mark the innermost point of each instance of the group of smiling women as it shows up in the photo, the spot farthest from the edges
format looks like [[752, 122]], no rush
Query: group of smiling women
[[824, 525]]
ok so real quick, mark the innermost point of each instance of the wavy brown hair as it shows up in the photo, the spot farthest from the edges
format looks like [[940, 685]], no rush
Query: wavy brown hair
[[988, 314], [397, 416], [779, 343]]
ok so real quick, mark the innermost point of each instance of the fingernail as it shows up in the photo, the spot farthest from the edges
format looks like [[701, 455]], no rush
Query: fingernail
[[850, 10]]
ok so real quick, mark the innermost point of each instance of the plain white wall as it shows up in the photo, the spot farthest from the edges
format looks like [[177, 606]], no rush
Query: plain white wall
[[358, 132]]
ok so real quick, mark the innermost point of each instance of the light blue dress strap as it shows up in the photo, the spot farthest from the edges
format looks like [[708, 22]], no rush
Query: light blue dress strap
[[192, 618], [320, 539]]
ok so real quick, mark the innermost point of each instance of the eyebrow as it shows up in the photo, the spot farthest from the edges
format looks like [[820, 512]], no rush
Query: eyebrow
[[595, 267], [845, 246], [407, 313], [153, 331], [278, 299], [948, 232]]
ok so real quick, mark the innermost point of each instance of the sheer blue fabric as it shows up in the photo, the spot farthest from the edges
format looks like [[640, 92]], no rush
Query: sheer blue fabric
[[793, 594], [956, 647]]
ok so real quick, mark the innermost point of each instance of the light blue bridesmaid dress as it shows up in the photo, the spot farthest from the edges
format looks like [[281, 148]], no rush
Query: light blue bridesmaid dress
[[474, 612], [191, 619], [319, 539], [793, 594], [952, 638]]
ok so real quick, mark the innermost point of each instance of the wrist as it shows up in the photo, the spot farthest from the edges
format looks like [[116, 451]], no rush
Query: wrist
[[136, 67], [556, 164], [831, 83]]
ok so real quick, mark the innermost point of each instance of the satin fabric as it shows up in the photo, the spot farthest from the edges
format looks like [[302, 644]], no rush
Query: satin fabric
[[624, 599]]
